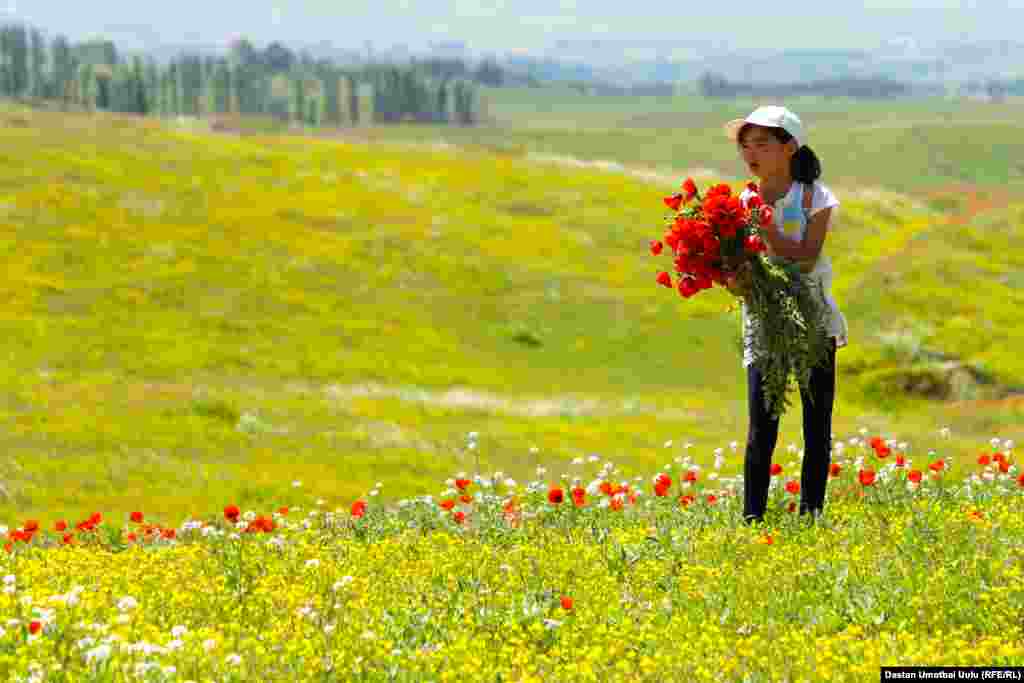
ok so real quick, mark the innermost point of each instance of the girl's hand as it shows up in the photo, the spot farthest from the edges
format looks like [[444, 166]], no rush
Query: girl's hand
[[738, 281]]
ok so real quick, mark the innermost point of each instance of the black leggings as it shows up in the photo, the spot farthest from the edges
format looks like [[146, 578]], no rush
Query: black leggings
[[764, 432]]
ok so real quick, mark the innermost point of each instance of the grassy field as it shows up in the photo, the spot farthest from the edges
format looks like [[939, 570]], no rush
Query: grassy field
[[191, 321], [191, 317]]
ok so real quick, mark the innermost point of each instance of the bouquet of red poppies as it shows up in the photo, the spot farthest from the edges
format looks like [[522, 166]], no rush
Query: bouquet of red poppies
[[716, 238]]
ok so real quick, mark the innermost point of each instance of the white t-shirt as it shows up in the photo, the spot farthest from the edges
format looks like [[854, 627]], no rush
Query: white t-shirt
[[791, 219]]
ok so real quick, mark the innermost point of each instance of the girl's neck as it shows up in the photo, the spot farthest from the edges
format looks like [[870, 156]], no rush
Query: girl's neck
[[774, 189]]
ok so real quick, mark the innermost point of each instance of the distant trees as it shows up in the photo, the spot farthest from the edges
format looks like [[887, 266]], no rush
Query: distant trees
[[271, 81], [711, 84]]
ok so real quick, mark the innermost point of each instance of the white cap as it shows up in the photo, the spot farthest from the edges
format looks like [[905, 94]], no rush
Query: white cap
[[771, 116]]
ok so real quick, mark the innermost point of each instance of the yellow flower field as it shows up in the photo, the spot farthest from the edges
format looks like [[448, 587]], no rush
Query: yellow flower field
[[574, 576]]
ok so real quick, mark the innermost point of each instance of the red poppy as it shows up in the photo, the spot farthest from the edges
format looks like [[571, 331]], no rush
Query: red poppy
[[579, 496], [712, 499], [690, 476], [792, 506], [169, 533], [937, 466], [901, 460], [465, 498], [656, 247], [462, 484], [231, 513], [136, 517], [34, 627], [984, 459], [834, 469], [914, 476], [674, 201], [448, 503], [1004, 467], [282, 511], [555, 495], [776, 469], [359, 508], [690, 188], [566, 603], [1020, 481], [61, 525], [664, 279], [459, 516], [793, 486], [616, 503], [867, 477], [767, 216]]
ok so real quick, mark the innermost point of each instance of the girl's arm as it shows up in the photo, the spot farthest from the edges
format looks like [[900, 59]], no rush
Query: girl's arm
[[793, 249]]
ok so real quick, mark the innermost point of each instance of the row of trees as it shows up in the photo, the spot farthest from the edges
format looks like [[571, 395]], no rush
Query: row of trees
[[92, 75], [715, 85]]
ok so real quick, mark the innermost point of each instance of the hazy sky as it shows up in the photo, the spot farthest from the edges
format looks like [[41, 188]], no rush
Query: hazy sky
[[492, 25]]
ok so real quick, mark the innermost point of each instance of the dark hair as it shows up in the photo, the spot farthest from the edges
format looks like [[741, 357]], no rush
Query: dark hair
[[804, 166]]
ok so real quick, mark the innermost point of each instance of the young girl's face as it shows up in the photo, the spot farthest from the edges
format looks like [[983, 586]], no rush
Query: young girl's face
[[765, 156]]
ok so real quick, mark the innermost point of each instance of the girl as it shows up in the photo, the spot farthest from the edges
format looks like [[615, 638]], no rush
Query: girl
[[772, 142]]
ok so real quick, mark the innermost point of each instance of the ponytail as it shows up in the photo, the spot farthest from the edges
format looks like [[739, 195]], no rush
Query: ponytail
[[804, 166]]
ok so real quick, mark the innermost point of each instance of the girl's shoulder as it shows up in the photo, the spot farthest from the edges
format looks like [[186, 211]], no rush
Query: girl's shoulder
[[821, 197]]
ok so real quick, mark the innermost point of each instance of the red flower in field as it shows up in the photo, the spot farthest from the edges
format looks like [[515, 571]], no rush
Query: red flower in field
[[867, 477], [32, 526], [261, 523], [688, 286], [359, 508], [579, 496], [793, 486], [686, 500], [169, 533], [555, 495], [1020, 481], [136, 517], [660, 491], [462, 484], [656, 247], [767, 216], [999, 457], [459, 516], [68, 539], [9, 547], [448, 503], [725, 213], [664, 279], [765, 540], [690, 188], [901, 460], [231, 513], [937, 466], [883, 452], [914, 476], [792, 507], [834, 469], [976, 515], [1004, 467], [61, 525], [282, 511], [690, 476], [776, 469], [95, 518], [876, 442], [984, 459], [712, 499], [616, 503], [566, 603], [466, 499], [132, 537], [674, 201], [34, 627]]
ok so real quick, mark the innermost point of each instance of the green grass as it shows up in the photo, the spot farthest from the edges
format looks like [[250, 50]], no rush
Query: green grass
[[191, 319]]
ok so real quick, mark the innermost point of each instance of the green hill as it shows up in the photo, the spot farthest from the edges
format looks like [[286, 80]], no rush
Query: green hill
[[191, 319]]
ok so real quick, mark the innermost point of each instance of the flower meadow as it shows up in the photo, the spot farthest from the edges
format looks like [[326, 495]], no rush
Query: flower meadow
[[581, 574]]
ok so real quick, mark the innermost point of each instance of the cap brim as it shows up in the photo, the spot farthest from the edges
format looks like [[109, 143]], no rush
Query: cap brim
[[732, 128]]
